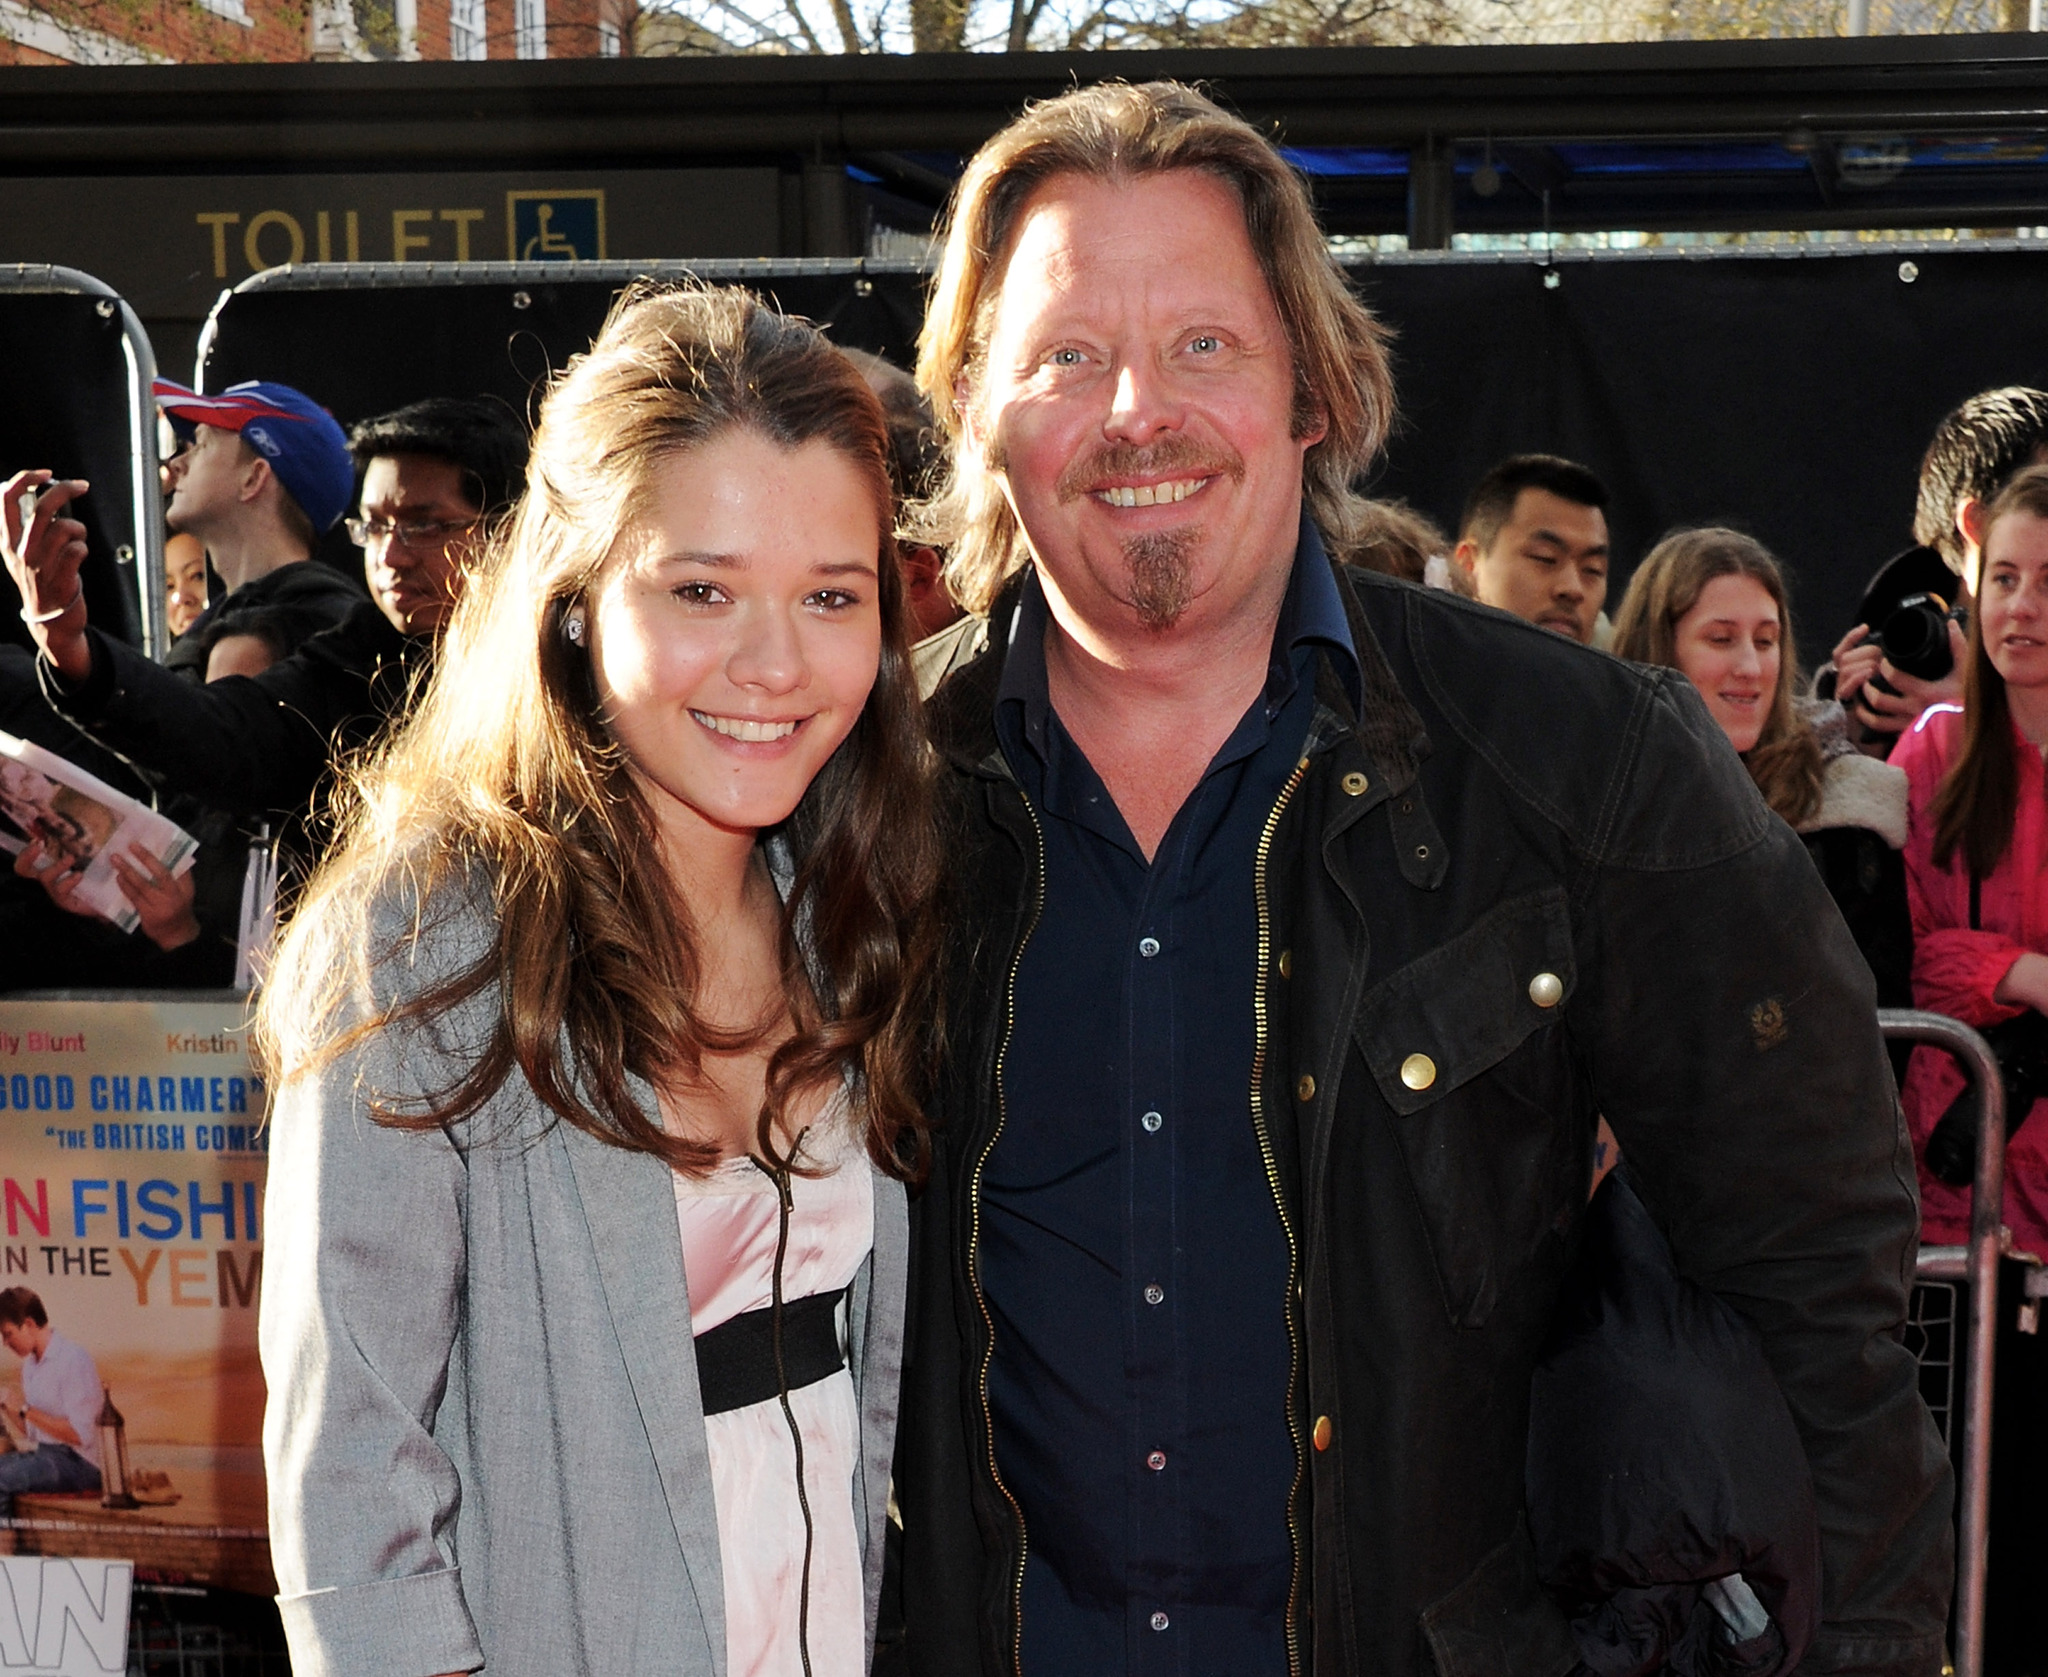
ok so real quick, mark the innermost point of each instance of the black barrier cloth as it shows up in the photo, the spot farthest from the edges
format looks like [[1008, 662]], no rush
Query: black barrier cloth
[[68, 408], [1792, 396]]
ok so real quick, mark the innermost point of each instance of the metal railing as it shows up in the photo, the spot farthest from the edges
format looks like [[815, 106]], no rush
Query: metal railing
[[143, 487], [1976, 1264]]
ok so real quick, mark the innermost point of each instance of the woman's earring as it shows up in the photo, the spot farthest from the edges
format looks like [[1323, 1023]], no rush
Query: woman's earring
[[572, 626]]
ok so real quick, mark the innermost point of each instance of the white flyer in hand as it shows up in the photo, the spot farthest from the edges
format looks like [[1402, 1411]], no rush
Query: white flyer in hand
[[82, 821]]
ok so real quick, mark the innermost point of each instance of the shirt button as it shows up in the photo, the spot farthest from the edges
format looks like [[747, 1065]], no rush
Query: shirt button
[[1151, 1121], [1546, 989], [1156, 1461], [1305, 1090], [1160, 1621], [1155, 1294], [1354, 784], [1148, 947], [1322, 1432]]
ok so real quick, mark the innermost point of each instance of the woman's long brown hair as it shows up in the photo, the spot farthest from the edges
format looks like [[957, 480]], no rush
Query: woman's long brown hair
[[1785, 762], [1978, 800], [504, 799]]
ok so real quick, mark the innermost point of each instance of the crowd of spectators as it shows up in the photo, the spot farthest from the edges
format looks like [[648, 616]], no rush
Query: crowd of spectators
[[1911, 768]]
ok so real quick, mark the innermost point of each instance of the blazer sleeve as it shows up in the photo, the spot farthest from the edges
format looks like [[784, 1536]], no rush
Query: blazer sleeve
[[1729, 1027], [362, 1287]]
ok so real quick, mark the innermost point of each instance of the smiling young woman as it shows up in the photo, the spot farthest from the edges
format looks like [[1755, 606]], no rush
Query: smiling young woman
[[596, 1048], [1978, 854], [1711, 604]]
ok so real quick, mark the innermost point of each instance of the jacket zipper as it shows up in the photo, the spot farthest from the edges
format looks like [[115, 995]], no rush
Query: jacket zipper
[[1260, 1033], [974, 1239]]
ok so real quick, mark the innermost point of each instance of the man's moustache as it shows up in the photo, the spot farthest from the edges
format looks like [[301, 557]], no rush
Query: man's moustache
[[1123, 461]]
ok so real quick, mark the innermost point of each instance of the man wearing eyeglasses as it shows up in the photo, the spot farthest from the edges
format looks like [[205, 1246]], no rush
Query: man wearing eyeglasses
[[435, 474]]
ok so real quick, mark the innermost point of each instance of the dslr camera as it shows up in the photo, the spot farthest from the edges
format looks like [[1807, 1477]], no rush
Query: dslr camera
[[1915, 639]]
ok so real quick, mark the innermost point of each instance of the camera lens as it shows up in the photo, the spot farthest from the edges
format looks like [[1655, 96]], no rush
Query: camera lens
[[1915, 638]]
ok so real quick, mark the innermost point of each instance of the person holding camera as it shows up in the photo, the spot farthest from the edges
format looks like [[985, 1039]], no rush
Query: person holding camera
[[1711, 604], [1906, 648], [1977, 877]]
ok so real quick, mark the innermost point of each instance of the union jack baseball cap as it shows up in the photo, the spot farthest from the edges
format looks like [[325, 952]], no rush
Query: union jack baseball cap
[[305, 447]]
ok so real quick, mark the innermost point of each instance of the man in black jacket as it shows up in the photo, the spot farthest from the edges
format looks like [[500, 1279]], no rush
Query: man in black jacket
[[1307, 922], [434, 474]]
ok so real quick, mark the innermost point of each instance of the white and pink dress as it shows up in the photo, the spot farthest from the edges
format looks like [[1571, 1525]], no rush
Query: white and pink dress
[[729, 1221]]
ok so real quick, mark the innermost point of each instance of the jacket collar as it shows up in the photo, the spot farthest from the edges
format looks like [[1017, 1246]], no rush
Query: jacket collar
[[1385, 725]]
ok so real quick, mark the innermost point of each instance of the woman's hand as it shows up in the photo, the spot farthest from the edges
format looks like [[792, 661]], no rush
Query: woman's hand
[[2025, 984], [162, 899]]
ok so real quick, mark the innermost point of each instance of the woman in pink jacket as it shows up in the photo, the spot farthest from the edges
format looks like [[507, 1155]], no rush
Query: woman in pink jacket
[[1977, 857]]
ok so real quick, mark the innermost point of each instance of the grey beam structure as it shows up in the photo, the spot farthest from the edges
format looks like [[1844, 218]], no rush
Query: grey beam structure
[[664, 112]]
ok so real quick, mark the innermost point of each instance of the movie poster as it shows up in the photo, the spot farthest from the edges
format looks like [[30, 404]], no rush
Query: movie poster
[[131, 1202]]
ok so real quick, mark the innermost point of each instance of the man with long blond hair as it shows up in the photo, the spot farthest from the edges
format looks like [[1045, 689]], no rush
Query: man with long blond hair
[[1307, 923]]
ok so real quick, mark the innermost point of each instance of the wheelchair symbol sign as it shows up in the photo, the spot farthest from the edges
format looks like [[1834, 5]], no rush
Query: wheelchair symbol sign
[[555, 226]]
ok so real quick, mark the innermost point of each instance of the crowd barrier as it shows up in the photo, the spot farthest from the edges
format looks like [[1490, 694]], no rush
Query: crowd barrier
[[80, 368], [1976, 1265], [1790, 391]]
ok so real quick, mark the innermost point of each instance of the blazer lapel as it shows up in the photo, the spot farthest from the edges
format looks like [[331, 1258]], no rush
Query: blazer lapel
[[629, 1206]]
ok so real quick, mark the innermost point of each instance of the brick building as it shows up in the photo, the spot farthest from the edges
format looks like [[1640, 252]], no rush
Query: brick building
[[58, 32]]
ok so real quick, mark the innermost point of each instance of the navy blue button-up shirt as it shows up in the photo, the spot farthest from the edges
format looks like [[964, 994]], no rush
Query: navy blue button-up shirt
[[1131, 1252]]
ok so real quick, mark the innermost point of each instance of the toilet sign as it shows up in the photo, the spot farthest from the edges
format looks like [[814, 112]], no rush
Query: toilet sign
[[63, 1618]]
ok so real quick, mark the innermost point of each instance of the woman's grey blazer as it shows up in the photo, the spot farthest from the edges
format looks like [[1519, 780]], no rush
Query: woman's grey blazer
[[484, 1437]]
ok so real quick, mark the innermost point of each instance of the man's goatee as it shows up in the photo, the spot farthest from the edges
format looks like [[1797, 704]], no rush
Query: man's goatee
[[1159, 575]]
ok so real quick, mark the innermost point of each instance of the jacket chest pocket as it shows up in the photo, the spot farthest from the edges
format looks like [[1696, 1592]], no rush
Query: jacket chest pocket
[[1463, 1047]]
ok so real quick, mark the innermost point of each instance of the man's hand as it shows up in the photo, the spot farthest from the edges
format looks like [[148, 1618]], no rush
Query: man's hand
[[50, 869], [1858, 660], [44, 552], [161, 898], [1856, 657]]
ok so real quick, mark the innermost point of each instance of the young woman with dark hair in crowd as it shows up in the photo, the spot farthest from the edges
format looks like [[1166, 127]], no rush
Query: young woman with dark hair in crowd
[[1977, 860], [595, 1046], [1977, 872], [1711, 603]]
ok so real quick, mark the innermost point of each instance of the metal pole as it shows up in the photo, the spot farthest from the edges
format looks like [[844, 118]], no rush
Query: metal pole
[[147, 509], [145, 487], [1987, 1202], [1859, 17]]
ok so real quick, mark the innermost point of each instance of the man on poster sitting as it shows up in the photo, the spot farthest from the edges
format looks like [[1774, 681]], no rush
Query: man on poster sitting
[[56, 1409]]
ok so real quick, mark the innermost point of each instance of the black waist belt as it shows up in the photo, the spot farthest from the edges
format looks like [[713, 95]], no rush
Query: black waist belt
[[736, 1359]]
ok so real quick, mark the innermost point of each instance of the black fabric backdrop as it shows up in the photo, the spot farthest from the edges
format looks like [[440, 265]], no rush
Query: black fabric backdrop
[[69, 412], [1790, 395]]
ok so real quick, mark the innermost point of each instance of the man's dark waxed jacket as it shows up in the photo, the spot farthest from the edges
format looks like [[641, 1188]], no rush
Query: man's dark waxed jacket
[[1506, 805]]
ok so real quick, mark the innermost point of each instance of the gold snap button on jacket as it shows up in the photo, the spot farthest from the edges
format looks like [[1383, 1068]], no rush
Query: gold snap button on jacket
[[1286, 963], [1305, 1090], [1418, 1071], [1354, 783], [1322, 1432], [1546, 989]]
